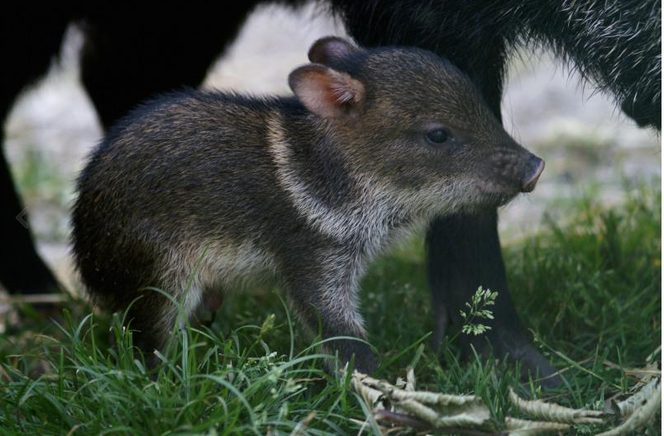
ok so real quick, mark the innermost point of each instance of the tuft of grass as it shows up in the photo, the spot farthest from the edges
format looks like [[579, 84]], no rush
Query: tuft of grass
[[479, 308], [590, 292]]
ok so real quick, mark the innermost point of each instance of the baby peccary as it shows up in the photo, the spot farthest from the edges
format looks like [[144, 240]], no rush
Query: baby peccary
[[198, 190]]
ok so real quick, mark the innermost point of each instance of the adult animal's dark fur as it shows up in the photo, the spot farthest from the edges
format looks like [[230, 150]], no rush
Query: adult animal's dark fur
[[197, 191], [615, 45], [131, 55]]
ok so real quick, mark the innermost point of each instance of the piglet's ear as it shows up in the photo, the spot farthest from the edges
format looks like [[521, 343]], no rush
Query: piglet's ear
[[326, 92], [330, 48]]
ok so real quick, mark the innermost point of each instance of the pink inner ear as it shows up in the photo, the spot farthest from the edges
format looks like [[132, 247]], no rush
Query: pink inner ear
[[346, 89], [326, 92], [341, 94], [322, 96]]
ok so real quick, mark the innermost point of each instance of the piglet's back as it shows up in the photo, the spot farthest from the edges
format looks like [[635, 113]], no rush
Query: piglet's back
[[184, 157], [189, 166]]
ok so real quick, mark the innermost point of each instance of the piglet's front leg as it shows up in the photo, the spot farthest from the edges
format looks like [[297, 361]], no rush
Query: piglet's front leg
[[324, 289]]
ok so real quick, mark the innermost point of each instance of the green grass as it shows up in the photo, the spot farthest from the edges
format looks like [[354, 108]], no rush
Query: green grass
[[590, 291]]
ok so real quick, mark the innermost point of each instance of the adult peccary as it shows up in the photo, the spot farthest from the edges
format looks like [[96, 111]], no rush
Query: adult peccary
[[616, 48], [130, 56], [197, 191]]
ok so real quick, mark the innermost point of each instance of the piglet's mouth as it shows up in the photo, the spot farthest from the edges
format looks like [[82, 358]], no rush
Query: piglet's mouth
[[493, 194], [486, 202], [499, 199]]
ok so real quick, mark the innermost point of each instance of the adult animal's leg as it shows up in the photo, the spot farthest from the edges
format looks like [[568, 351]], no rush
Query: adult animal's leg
[[464, 250], [130, 56]]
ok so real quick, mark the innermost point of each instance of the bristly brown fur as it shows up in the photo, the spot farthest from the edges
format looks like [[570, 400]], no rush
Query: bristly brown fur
[[615, 45], [196, 191]]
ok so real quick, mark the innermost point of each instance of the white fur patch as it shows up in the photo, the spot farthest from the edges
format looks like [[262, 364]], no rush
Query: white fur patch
[[340, 286], [191, 269], [364, 217], [371, 217]]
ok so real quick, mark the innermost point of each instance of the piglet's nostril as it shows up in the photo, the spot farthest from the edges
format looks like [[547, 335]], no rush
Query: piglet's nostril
[[536, 166]]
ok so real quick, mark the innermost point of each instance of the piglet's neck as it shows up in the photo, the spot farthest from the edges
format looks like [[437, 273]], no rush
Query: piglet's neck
[[322, 186]]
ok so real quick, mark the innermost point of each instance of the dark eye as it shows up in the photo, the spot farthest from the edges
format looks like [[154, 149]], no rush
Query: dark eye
[[437, 136]]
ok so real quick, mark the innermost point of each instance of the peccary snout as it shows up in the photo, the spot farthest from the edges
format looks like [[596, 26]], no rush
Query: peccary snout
[[509, 169], [535, 167]]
